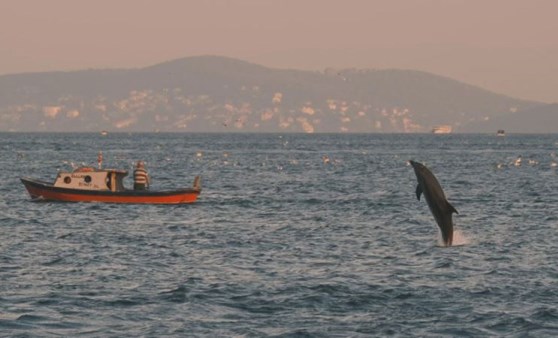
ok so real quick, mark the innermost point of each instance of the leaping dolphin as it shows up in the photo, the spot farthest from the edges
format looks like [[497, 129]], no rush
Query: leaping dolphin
[[436, 199]]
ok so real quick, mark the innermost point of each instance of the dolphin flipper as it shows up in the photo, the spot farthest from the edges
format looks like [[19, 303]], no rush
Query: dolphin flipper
[[419, 191], [451, 209]]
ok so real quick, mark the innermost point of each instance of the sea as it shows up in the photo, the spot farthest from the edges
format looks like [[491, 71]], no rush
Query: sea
[[293, 235]]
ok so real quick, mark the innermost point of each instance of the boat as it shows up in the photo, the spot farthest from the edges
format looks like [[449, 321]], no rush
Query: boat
[[88, 184], [442, 129], [501, 132]]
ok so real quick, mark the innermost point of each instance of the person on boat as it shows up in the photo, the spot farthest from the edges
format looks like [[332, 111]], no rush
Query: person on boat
[[141, 178]]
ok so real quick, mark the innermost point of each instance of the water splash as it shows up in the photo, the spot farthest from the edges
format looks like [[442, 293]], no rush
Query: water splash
[[459, 239]]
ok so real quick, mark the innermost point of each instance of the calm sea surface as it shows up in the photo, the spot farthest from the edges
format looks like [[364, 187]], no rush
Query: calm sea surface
[[293, 235]]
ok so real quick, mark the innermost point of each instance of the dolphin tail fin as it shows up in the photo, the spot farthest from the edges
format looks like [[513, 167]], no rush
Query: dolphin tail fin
[[419, 191], [451, 208]]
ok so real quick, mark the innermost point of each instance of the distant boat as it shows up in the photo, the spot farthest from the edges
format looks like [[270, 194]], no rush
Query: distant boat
[[104, 133], [442, 129], [501, 132]]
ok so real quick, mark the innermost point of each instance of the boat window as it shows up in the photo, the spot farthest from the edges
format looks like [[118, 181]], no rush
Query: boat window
[[87, 179], [67, 180]]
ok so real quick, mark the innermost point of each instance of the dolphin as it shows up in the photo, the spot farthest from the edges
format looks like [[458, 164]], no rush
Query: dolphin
[[436, 199]]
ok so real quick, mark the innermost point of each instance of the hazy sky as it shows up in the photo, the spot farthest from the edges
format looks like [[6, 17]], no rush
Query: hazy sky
[[508, 46]]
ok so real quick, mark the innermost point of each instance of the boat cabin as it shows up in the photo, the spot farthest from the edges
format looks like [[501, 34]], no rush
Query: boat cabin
[[88, 178]]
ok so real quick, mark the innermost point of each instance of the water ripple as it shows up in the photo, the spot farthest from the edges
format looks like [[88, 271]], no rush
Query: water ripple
[[282, 244]]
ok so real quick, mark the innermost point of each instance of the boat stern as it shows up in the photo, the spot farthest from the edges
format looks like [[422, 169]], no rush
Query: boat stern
[[197, 183]]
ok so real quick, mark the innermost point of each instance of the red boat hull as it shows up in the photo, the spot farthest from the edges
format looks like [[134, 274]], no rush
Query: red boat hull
[[45, 191]]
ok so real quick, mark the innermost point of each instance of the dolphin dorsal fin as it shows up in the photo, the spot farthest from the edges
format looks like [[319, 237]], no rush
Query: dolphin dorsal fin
[[451, 208], [419, 191]]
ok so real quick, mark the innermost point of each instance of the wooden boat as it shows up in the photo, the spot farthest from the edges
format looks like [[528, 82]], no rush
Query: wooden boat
[[88, 184]]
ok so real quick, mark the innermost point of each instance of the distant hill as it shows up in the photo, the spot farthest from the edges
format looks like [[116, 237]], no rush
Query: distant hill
[[217, 94], [539, 119]]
